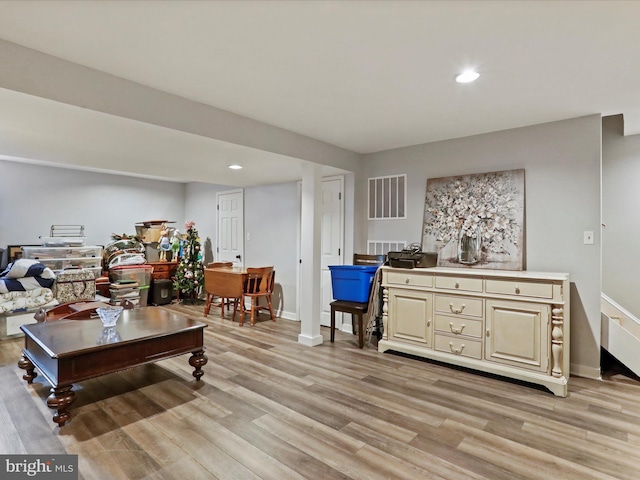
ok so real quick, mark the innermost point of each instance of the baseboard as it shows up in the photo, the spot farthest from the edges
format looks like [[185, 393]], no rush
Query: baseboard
[[585, 372], [288, 316]]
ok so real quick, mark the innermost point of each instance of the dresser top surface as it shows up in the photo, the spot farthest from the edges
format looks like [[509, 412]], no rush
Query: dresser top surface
[[486, 273]]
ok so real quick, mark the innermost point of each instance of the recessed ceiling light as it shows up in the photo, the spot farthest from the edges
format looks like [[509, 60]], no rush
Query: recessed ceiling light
[[467, 77], [235, 167]]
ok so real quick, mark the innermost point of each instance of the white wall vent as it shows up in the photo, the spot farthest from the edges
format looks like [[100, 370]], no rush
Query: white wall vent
[[387, 197], [379, 247]]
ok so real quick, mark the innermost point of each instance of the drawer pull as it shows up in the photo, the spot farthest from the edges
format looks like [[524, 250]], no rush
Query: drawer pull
[[518, 290], [457, 351], [457, 285], [456, 310], [457, 331]]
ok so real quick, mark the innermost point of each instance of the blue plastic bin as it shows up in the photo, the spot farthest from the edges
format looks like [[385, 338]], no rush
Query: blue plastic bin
[[352, 283]]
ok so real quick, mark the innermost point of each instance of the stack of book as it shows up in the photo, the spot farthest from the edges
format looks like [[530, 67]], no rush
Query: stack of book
[[124, 290]]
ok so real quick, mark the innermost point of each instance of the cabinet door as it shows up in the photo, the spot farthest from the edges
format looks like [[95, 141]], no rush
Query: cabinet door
[[518, 334], [410, 316]]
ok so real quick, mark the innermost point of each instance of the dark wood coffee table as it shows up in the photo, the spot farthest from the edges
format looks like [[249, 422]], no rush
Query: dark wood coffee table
[[70, 351]]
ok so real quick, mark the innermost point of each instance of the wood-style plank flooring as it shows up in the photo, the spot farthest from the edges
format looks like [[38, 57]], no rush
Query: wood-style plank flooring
[[271, 408]]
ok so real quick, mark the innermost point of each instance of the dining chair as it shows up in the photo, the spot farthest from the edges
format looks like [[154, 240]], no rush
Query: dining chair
[[357, 310], [212, 291], [259, 284]]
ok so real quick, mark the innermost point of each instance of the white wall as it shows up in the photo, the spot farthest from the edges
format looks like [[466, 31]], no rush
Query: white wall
[[271, 223], [200, 206], [562, 200], [620, 201], [32, 198]]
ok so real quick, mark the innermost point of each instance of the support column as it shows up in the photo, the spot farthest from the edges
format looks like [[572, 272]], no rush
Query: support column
[[310, 250]]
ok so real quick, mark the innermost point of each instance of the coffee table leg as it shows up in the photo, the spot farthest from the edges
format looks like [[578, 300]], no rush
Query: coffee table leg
[[60, 399], [198, 360], [26, 364]]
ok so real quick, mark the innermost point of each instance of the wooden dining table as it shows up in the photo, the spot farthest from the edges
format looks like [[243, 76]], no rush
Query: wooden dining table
[[225, 283]]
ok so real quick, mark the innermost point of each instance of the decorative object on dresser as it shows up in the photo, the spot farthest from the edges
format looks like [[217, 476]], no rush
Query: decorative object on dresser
[[514, 324], [476, 221]]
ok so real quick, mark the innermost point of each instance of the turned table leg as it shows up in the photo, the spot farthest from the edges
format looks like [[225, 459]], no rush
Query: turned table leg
[[198, 360], [25, 364], [60, 399]]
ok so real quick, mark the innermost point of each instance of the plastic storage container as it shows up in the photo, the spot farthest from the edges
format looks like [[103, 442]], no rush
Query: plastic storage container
[[61, 258], [137, 273], [352, 283], [62, 241], [45, 253]]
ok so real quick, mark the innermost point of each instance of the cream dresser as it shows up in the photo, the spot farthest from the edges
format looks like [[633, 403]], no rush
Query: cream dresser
[[514, 324]]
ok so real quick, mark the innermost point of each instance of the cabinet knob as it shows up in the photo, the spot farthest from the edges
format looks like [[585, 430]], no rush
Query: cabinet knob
[[407, 281], [428, 323], [488, 332], [518, 290], [457, 285]]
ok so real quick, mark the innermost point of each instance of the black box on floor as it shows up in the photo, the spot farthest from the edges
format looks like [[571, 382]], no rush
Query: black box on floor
[[161, 292]]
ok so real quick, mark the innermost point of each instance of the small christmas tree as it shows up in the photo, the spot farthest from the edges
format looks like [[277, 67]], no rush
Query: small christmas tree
[[190, 273]]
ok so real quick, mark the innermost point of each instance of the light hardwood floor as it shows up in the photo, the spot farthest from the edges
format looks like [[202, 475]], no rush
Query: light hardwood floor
[[268, 407]]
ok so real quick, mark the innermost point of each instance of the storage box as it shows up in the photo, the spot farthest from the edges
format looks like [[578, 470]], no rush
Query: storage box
[[352, 283], [161, 292], [75, 285], [137, 273], [62, 241], [10, 322]]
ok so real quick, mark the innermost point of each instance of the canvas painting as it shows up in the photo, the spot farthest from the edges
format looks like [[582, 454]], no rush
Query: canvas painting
[[476, 221]]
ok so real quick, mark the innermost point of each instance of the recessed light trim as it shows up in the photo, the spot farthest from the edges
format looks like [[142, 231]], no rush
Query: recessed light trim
[[235, 166], [467, 77]]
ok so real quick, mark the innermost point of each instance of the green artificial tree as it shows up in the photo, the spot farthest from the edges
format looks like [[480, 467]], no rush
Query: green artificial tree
[[190, 273]]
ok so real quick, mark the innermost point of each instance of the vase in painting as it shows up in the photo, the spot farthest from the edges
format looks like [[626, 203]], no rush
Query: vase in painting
[[469, 246]]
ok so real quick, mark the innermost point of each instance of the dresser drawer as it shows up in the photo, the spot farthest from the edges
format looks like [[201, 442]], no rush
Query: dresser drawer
[[525, 288], [463, 347], [459, 305], [464, 284], [459, 325], [409, 279], [160, 275]]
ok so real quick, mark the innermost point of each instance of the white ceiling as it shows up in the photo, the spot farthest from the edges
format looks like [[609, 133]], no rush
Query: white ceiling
[[362, 75]]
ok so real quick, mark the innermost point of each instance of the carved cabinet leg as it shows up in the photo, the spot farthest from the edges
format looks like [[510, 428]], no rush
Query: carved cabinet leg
[[60, 399], [198, 360], [557, 341], [385, 313], [25, 364]]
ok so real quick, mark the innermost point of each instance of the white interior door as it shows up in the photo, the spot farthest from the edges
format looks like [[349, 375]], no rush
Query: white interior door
[[332, 241], [230, 206]]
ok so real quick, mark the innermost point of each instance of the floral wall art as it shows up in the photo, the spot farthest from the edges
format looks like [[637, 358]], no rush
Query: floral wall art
[[476, 221]]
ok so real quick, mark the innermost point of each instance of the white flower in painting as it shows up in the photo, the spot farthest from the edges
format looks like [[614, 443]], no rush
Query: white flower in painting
[[478, 205]]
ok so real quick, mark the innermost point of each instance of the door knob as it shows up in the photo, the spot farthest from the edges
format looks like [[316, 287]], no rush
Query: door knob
[[238, 257]]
